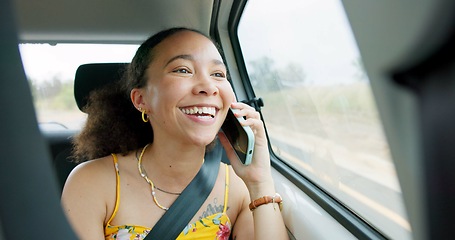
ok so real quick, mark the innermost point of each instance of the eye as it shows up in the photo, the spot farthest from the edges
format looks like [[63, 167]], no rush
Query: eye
[[219, 74], [182, 70]]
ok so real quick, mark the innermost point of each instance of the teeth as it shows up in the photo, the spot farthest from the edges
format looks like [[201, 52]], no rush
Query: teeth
[[204, 116], [199, 110]]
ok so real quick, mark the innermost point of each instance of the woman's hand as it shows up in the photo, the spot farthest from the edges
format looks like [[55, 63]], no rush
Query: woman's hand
[[258, 172], [258, 179]]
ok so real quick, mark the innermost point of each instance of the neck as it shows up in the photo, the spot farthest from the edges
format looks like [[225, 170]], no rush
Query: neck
[[172, 164]]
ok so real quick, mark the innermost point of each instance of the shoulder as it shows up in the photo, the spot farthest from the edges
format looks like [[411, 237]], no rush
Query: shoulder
[[236, 182], [239, 201], [91, 178], [88, 193], [93, 170], [237, 186]]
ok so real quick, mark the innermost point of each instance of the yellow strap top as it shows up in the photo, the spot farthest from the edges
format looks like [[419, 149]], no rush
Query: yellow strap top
[[216, 226]]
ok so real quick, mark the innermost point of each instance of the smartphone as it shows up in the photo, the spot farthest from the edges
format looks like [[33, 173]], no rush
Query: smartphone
[[240, 137]]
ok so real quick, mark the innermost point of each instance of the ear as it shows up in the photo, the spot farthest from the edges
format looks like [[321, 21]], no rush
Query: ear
[[137, 97]]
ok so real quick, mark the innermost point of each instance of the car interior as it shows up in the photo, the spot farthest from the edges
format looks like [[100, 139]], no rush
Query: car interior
[[88, 78], [407, 51]]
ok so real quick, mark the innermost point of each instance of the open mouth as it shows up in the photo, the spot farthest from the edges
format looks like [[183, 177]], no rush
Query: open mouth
[[201, 112]]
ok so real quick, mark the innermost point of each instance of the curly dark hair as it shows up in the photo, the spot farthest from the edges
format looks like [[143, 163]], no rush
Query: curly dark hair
[[113, 124]]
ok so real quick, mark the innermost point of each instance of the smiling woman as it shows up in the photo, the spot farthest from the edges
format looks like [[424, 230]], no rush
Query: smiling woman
[[199, 71], [153, 126], [355, 98]]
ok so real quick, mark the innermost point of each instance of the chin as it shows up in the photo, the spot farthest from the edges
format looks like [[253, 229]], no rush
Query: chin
[[204, 140]]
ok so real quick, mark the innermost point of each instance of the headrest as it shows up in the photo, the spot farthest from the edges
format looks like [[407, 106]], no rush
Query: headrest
[[93, 76]]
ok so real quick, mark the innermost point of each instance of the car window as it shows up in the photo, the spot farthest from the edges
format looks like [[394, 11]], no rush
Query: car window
[[50, 71], [320, 113]]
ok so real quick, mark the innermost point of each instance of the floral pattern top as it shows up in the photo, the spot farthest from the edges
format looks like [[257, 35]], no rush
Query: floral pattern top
[[213, 227]]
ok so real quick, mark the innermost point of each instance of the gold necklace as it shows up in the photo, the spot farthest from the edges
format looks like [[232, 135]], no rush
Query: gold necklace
[[172, 193], [144, 175], [156, 187]]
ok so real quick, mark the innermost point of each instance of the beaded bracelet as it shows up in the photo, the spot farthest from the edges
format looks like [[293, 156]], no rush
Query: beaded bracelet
[[266, 200]]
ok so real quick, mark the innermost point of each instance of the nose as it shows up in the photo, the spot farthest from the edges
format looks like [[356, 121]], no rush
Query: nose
[[205, 85]]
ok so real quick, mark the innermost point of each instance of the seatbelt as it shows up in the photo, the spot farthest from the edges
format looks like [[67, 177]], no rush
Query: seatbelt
[[190, 200]]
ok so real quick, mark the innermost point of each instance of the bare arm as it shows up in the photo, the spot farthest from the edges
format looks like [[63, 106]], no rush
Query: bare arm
[[264, 222], [83, 200], [267, 219]]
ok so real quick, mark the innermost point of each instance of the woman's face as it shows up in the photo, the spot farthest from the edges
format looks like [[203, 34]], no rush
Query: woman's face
[[187, 94]]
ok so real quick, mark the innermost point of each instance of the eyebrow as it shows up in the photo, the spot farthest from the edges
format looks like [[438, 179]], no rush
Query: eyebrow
[[183, 56], [191, 58]]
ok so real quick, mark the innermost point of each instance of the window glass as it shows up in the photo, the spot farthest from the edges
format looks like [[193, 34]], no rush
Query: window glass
[[50, 72], [319, 110]]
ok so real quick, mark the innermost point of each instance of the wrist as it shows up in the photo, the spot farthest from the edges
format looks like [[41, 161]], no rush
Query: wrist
[[257, 190], [275, 199]]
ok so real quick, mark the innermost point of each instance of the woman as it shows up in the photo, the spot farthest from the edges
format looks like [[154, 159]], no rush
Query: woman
[[178, 82]]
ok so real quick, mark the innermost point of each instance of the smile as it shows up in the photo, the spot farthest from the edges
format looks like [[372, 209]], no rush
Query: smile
[[200, 112]]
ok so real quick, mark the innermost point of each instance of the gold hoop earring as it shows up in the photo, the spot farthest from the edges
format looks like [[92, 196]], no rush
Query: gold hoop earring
[[145, 118]]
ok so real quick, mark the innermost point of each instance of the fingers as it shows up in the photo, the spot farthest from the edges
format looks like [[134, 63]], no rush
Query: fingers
[[244, 110], [253, 119]]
